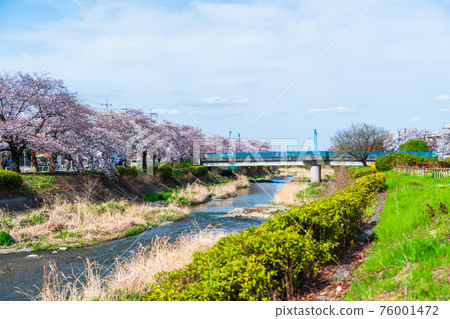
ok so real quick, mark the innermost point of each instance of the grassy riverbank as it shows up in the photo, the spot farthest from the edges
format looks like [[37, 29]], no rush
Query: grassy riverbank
[[83, 224], [198, 193], [410, 257]]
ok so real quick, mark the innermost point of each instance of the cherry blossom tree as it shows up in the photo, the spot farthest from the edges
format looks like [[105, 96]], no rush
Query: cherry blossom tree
[[443, 143], [31, 107], [391, 142]]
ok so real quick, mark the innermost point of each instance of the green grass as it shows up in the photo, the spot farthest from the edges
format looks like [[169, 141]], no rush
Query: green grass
[[42, 184], [155, 197], [410, 258], [312, 192]]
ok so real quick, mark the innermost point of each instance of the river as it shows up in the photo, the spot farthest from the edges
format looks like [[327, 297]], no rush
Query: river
[[20, 276]]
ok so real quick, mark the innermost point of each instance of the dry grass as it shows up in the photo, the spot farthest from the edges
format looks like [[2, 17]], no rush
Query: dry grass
[[230, 189], [192, 194], [82, 223], [225, 190], [342, 180], [302, 173], [288, 194], [129, 278], [197, 193]]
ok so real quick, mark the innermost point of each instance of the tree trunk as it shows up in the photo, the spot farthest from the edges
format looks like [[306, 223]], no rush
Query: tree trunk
[[15, 161], [144, 161], [35, 162], [3, 159], [51, 164]]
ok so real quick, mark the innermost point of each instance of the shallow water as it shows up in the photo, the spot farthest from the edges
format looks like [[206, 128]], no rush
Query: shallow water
[[20, 276]]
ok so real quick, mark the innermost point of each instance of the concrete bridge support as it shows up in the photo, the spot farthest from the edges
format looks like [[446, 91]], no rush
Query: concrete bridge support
[[316, 171]]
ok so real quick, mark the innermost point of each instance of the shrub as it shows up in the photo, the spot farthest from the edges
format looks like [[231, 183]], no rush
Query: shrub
[[127, 171], [415, 146], [5, 239], [272, 260], [165, 171], [389, 161], [357, 172], [10, 179], [198, 170], [154, 197], [186, 164]]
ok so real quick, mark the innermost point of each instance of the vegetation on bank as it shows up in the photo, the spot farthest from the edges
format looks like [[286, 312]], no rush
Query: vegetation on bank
[[360, 171], [129, 279], [10, 179], [83, 224], [199, 193], [410, 258], [389, 161], [270, 261]]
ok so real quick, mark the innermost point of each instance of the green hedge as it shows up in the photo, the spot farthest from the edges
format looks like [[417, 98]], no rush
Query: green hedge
[[10, 179], [357, 172], [127, 171], [272, 260], [164, 171], [198, 170], [389, 161], [5, 239]]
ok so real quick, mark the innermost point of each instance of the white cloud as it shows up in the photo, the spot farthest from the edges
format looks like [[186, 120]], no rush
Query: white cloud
[[338, 109], [219, 100], [442, 97], [213, 100], [167, 111], [445, 110], [416, 119]]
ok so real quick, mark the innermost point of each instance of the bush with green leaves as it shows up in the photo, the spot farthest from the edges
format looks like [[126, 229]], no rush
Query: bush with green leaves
[[389, 161], [155, 197], [198, 170], [10, 179], [360, 171], [164, 171], [5, 239], [127, 171], [415, 146], [272, 260]]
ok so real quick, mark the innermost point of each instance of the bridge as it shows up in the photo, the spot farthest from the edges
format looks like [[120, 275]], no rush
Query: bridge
[[313, 158]]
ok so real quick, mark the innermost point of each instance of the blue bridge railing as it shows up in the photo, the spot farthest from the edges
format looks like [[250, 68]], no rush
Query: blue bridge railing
[[299, 154]]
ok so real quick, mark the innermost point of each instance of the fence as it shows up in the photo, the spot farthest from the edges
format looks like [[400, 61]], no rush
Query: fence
[[436, 173]]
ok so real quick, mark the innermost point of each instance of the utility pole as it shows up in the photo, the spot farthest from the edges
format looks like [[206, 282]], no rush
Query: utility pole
[[152, 114], [398, 141], [315, 140], [405, 140], [107, 105], [239, 136], [229, 147]]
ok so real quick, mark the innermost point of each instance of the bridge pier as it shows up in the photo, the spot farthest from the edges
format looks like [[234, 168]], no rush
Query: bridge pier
[[315, 173]]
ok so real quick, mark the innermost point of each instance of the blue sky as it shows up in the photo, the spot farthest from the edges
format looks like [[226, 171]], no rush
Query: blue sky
[[227, 61]]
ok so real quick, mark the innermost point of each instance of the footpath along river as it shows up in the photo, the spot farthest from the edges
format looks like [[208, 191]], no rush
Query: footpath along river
[[20, 275]]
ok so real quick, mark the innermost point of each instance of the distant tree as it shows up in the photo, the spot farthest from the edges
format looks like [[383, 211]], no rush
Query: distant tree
[[359, 141], [444, 143], [391, 142], [415, 146]]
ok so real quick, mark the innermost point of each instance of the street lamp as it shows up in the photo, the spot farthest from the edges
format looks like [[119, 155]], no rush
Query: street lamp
[[229, 147]]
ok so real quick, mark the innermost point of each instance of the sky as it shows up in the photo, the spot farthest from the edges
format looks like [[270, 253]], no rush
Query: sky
[[264, 69]]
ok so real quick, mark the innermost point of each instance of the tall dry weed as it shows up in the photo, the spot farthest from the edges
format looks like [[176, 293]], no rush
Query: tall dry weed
[[288, 194], [129, 277], [67, 223], [342, 180]]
